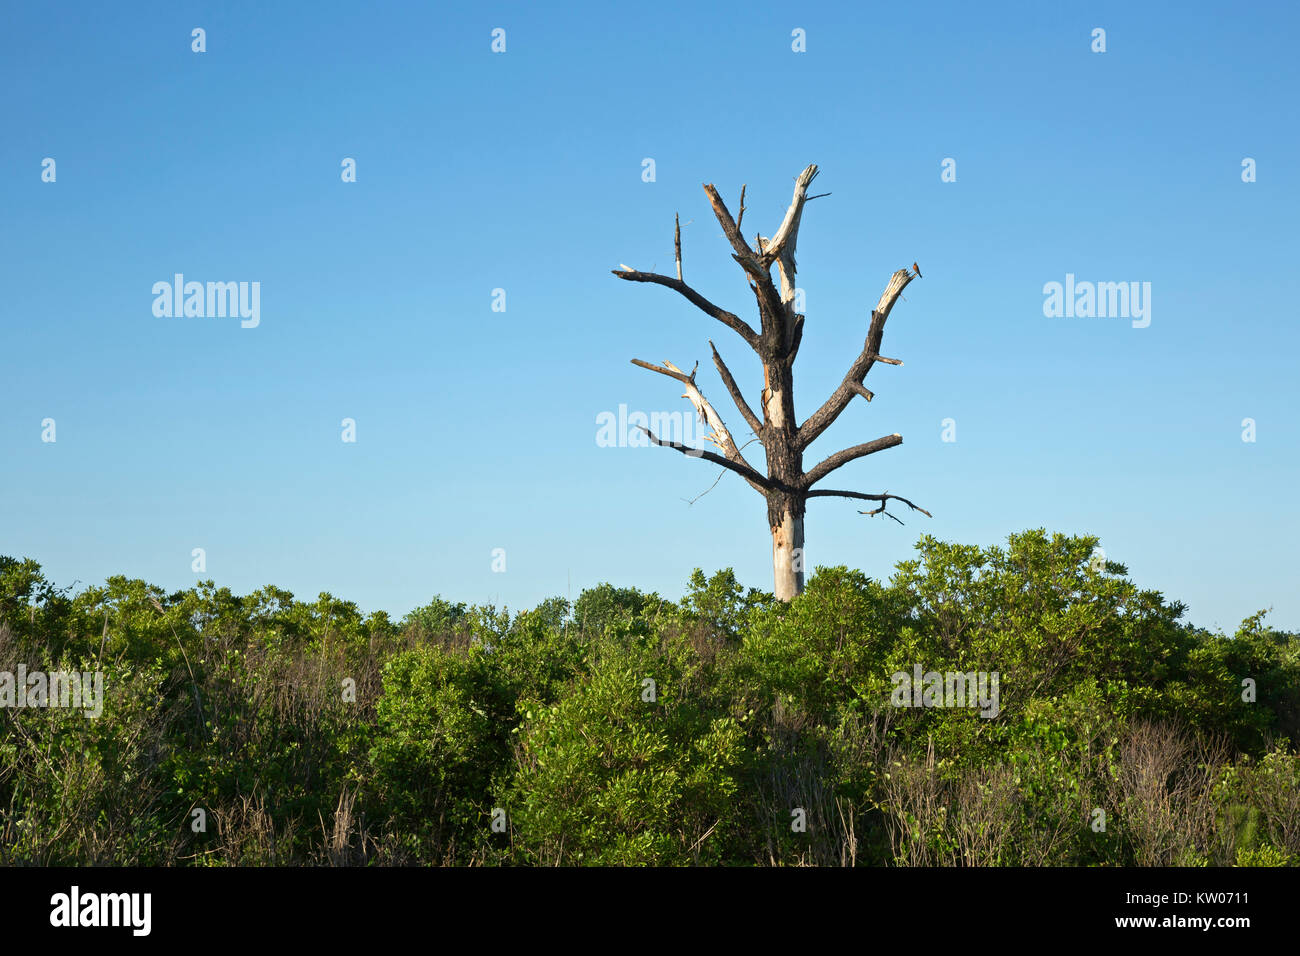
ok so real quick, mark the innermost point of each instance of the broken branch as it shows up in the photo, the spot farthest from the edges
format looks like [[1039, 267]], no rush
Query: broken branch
[[760, 483], [840, 458], [744, 255], [830, 410], [882, 498], [719, 434], [732, 321], [789, 229]]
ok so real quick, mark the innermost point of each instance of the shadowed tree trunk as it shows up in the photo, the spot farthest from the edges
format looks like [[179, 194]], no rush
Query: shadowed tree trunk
[[786, 485]]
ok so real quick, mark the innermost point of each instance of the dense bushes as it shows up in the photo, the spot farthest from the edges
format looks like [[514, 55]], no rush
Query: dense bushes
[[726, 728]]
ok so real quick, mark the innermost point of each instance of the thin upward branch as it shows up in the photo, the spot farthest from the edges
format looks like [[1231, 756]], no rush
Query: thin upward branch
[[691, 501], [677, 243], [736, 395]]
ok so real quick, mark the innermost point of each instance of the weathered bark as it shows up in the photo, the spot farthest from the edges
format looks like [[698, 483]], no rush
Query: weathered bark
[[785, 465], [785, 515], [786, 486]]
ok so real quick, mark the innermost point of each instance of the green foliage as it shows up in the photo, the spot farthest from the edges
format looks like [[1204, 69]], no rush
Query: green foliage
[[436, 743], [624, 771], [1264, 855], [310, 732], [599, 608], [438, 618]]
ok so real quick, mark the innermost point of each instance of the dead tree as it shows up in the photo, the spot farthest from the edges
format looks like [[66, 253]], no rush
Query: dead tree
[[786, 485]]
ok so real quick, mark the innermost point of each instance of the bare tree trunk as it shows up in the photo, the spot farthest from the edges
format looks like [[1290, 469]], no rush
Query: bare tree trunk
[[785, 464], [786, 519]]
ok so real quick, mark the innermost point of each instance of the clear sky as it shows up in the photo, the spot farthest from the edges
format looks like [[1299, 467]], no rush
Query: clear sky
[[523, 171]]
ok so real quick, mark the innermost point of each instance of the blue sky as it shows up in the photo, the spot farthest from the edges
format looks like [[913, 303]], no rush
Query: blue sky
[[522, 171]]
